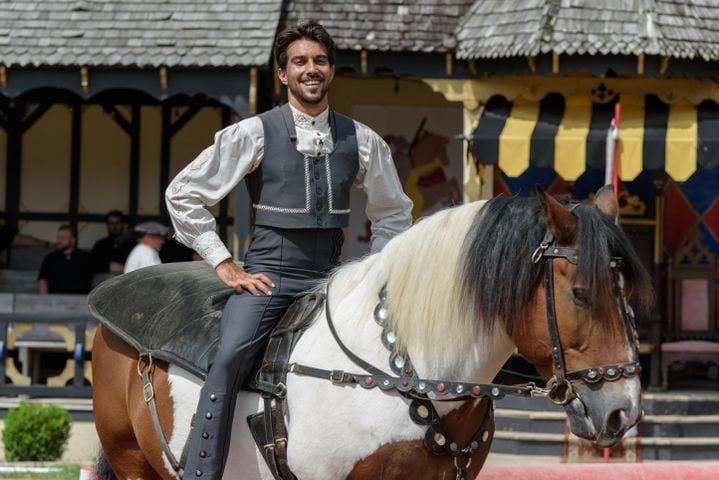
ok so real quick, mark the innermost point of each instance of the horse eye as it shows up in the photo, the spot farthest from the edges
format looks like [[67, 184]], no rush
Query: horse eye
[[582, 297]]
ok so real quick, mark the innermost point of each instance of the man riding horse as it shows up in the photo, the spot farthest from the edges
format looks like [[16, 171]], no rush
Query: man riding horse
[[299, 162]]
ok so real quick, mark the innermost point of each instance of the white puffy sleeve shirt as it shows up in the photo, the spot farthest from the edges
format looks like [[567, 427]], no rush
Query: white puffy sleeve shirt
[[238, 150]]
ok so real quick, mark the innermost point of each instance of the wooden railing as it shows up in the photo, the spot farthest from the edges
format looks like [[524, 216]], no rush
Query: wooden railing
[[32, 325]]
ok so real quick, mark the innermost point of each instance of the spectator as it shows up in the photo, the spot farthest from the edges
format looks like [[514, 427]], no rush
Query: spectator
[[67, 269], [147, 250], [110, 253]]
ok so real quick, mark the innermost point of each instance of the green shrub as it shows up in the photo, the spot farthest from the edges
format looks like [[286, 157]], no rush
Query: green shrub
[[35, 432]]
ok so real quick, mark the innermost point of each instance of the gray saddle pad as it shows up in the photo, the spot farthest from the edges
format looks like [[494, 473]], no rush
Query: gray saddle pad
[[171, 311]]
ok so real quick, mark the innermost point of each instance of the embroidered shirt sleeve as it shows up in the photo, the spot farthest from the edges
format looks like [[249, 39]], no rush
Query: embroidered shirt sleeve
[[388, 208], [237, 151]]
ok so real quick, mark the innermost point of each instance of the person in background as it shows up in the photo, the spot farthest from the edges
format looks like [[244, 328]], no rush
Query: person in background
[[111, 252], [67, 269], [147, 250]]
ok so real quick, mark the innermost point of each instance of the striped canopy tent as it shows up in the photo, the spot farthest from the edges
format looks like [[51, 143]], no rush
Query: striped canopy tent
[[569, 134]]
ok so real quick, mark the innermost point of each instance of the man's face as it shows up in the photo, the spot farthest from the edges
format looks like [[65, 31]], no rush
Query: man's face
[[115, 226], [308, 73], [65, 240]]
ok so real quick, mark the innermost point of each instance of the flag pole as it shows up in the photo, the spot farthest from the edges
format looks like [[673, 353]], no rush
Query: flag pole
[[615, 159]]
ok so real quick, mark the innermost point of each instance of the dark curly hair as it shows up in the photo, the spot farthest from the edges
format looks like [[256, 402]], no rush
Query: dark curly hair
[[311, 30]]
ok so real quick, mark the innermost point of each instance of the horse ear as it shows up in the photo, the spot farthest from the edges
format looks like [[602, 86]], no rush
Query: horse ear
[[606, 201], [561, 222]]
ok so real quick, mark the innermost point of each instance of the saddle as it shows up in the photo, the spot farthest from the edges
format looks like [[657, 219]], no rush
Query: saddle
[[170, 311]]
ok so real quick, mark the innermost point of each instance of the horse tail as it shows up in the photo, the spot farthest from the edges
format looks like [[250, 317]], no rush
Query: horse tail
[[102, 467]]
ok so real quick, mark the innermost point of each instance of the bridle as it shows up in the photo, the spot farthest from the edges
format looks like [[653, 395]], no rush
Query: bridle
[[559, 387]]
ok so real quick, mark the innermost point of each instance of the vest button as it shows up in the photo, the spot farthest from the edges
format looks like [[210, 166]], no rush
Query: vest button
[[319, 191], [319, 205], [316, 161], [317, 175], [205, 435]]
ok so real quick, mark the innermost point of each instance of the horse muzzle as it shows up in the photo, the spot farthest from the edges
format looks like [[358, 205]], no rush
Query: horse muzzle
[[603, 413]]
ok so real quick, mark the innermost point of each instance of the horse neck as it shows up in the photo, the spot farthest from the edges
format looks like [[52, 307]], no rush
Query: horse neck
[[421, 269]]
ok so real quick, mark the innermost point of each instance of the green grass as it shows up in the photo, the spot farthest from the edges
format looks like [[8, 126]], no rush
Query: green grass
[[67, 472]]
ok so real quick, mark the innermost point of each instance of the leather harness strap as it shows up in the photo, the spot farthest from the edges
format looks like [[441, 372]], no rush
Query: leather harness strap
[[145, 367]]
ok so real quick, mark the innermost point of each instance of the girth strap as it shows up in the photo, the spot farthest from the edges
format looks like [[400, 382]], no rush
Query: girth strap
[[144, 369]]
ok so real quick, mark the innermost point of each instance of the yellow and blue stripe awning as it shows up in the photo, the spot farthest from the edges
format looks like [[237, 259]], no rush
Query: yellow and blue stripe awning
[[569, 134]]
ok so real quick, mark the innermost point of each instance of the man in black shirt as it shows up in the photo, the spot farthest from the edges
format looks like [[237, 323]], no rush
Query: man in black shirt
[[67, 269], [110, 253]]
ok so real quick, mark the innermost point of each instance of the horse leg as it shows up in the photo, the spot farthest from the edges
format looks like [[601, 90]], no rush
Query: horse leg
[[115, 412]]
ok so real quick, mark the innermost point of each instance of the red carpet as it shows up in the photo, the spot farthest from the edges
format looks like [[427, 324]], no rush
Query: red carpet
[[603, 471]]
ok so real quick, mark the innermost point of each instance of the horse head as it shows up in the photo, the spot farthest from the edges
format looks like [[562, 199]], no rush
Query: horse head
[[577, 327]]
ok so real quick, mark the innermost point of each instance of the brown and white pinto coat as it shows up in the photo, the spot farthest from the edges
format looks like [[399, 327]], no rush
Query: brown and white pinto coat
[[351, 432]]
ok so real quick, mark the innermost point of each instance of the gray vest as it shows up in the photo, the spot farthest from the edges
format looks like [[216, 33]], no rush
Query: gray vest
[[292, 190]]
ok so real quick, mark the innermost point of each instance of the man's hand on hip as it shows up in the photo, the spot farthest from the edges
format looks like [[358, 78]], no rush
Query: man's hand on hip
[[239, 280]]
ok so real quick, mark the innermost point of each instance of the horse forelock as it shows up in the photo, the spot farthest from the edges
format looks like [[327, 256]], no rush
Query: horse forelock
[[600, 239], [498, 278]]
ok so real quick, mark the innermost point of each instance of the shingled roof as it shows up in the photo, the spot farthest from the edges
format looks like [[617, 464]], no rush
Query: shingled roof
[[138, 33], [384, 25], [507, 28]]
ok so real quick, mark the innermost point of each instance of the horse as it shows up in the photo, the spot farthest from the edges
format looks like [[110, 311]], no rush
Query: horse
[[458, 293]]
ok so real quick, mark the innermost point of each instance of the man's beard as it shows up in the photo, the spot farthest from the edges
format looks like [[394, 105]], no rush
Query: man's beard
[[314, 100]]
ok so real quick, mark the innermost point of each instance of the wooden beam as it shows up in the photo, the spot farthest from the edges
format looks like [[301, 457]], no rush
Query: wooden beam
[[253, 91], [75, 149], [84, 79], [164, 80], [135, 138], [119, 118], [165, 142], [663, 64], [532, 63], [640, 64], [34, 116], [177, 125]]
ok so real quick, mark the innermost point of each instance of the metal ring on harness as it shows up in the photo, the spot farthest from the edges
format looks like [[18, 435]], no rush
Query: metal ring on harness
[[145, 362], [560, 393]]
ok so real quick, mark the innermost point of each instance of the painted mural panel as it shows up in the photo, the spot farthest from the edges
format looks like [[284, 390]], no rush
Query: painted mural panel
[[428, 159], [46, 163], [104, 162]]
